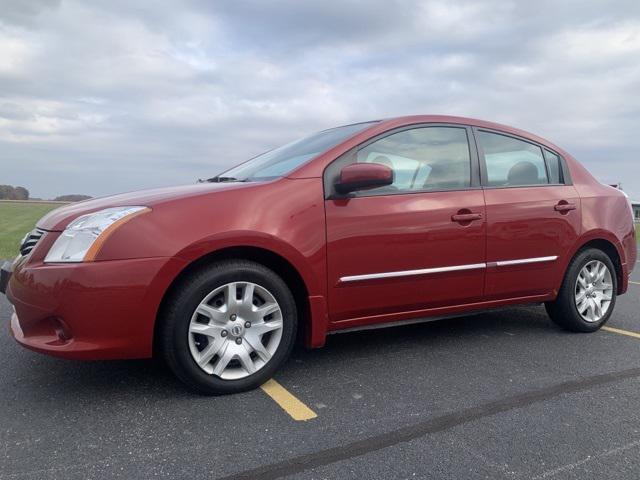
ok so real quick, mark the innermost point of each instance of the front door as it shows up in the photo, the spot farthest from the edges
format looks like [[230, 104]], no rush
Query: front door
[[415, 245]]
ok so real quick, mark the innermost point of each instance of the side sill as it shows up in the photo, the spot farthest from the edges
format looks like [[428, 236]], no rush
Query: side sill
[[431, 314]]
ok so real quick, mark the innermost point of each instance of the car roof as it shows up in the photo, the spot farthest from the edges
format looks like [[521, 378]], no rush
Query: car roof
[[475, 122]]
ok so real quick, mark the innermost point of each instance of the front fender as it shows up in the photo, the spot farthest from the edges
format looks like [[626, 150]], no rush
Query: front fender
[[244, 238]]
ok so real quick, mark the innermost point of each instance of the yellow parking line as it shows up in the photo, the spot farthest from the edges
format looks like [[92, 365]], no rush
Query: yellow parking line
[[622, 332], [635, 283], [290, 404]]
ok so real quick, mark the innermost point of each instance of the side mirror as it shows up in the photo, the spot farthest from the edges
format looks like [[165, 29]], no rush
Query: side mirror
[[363, 176]]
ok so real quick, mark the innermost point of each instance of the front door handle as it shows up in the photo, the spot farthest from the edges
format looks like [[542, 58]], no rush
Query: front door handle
[[564, 206], [466, 217]]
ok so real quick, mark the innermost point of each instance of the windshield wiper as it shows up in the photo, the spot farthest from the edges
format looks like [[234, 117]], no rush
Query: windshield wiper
[[221, 179]]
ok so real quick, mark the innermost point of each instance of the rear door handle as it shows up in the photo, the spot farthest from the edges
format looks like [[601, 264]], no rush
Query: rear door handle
[[466, 217], [564, 207]]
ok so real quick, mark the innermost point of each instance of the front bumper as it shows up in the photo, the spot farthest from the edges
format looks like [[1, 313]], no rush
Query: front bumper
[[90, 311]]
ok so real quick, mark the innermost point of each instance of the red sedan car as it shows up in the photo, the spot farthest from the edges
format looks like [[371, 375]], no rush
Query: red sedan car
[[368, 224]]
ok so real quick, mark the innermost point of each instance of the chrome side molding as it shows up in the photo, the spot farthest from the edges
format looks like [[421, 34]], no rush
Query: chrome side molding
[[408, 273], [452, 268], [505, 263]]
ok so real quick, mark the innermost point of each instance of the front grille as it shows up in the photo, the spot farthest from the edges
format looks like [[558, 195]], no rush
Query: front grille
[[30, 241]]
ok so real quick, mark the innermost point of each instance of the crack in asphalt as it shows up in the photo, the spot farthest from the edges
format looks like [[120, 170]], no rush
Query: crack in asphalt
[[328, 456]]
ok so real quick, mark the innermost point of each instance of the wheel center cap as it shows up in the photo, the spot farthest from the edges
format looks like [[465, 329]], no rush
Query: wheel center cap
[[237, 330]]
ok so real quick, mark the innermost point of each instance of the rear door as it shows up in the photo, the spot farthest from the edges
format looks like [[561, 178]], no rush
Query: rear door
[[417, 244], [533, 215]]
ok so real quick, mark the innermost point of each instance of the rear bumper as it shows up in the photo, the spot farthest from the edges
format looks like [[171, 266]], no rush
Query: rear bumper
[[98, 310], [629, 248]]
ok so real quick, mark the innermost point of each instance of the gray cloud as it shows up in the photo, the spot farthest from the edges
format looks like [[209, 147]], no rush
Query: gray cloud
[[24, 13], [104, 97]]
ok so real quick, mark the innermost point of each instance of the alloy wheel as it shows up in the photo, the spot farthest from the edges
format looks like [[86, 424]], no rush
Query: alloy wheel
[[594, 291], [235, 330]]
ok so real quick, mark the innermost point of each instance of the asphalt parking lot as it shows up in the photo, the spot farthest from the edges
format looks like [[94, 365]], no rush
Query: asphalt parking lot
[[498, 395]]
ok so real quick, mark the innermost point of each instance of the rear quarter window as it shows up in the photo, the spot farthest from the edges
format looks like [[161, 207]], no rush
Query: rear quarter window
[[554, 166]]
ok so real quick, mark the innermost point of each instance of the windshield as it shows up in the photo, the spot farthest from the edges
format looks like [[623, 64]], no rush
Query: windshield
[[280, 161]]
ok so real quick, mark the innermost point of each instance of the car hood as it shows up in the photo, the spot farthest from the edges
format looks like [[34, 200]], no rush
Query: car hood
[[58, 219]]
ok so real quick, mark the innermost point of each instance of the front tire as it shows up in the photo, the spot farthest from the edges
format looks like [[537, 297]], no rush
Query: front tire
[[228, 327], [587, 296]]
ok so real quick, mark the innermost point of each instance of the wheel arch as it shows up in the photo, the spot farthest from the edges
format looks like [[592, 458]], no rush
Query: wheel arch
[[270, 259], [607, 246]]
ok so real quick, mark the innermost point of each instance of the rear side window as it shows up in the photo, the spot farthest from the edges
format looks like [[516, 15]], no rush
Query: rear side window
[[511, 162], [554, 167], [423, 159]]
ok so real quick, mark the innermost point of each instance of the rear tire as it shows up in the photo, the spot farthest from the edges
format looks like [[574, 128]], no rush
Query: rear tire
[[587, 296], [227, 327]]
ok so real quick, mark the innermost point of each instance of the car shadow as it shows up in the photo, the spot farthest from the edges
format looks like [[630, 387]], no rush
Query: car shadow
[[60, 379], [529, 320]]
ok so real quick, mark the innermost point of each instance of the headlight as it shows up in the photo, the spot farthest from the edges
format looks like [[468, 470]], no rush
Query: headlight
[[82, 239]]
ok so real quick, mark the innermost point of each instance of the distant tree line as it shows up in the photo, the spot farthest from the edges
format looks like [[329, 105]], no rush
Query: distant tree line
[[71, 198], [9, 192]]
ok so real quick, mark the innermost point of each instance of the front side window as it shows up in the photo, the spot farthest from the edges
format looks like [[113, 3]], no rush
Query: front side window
[[280, 161], [423, 159], [511, 162]]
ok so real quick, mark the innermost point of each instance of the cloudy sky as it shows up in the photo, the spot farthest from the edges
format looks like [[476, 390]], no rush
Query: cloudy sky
[[104, 97]]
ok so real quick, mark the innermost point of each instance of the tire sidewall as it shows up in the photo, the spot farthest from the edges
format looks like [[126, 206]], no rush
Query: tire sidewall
[[189, 297]]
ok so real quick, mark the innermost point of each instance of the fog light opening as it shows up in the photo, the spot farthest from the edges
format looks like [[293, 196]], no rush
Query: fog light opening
[[62, 330]]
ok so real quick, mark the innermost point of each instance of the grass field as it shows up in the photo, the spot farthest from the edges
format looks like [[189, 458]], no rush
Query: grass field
[[16, 219]]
